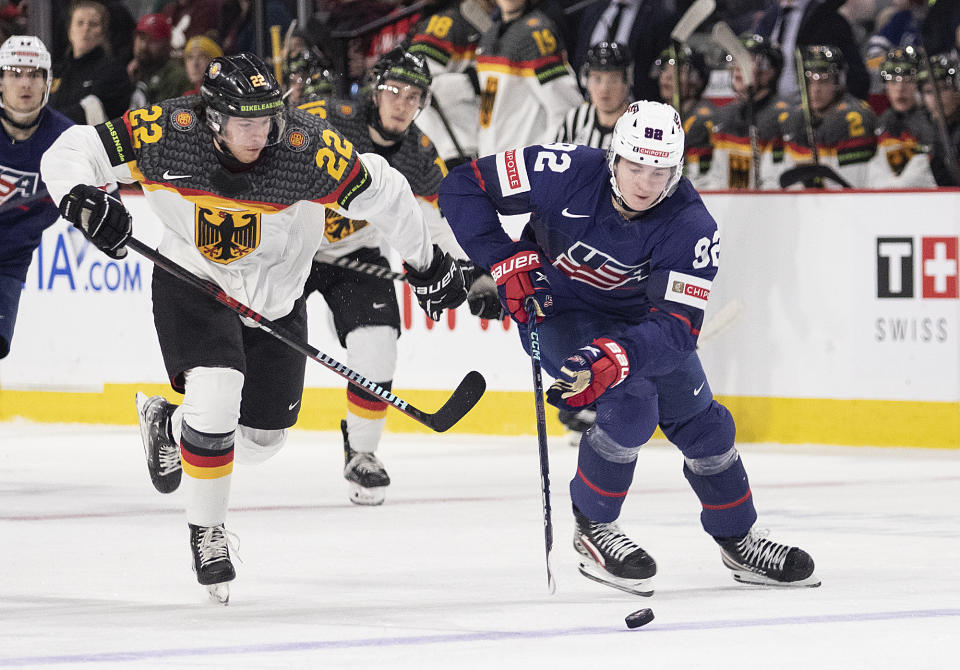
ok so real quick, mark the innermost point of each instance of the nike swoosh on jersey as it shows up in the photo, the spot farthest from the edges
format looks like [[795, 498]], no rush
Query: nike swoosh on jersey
[[167, 175], [565, 212], [699, 388], [291, 406]]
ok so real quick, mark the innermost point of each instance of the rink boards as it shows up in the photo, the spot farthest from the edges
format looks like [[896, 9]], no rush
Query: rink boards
[[845, 329]]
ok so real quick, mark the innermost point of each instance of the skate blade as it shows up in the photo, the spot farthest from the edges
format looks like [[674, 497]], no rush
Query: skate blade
[[637, 587], [746, 577], [219, 593], [370, 497]]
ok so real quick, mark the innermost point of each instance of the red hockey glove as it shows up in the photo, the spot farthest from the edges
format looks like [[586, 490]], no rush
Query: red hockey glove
[[585, 376], [520, 277]]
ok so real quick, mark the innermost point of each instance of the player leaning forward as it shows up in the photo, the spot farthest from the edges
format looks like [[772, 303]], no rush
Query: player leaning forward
[[619, 256], [240, 184]]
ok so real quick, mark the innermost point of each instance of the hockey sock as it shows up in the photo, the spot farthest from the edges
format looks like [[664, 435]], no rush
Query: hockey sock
[[727, 502], [600, 486], [207, 467], [366, 416]]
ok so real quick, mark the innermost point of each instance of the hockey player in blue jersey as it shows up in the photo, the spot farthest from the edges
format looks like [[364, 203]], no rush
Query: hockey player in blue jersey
[[29, 128], [618, 258]]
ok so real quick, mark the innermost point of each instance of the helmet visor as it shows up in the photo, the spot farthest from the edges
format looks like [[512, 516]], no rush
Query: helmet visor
[[247, 133]]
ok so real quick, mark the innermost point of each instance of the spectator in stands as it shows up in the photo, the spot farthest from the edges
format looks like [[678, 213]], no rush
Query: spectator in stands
[[642, 25], [944, 93], [899, 28], [238, 27], [799, 23], [739, 161], [89, 85], [687, 98], [120, 30], [526, 84], [154, 74], [189, 18], [197, 54], [843, 126], [905, 133], [941, 27], [12, 19]]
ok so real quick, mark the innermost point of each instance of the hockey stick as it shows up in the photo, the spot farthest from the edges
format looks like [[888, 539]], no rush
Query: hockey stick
[[807, 173], [466, 395], [696, 14], [25, 201], [371, 269], [446, 126], [805, 105], [725, 37], [476, 16], [719, 322], [541, 439]]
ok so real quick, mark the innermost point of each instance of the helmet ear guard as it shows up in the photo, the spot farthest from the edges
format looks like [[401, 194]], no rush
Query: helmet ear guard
[[648, 133]]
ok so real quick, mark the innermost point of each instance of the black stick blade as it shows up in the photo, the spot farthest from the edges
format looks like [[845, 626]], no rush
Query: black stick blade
[[467, 394]]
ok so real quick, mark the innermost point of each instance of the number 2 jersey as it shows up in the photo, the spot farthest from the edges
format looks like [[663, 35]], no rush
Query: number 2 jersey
[[654, 272], [253, 233]]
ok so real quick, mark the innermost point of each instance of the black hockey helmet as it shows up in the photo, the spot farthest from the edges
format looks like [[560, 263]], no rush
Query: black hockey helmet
[[901, 65], [769, 54], [820, 60], [694, 61], [403, 68], [242, 86], [945, 66], [310, 67], [607, 57]]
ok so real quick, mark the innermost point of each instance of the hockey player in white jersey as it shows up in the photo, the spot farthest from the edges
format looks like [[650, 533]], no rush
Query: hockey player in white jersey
[[526, 84], [240, 184], [366, 315]]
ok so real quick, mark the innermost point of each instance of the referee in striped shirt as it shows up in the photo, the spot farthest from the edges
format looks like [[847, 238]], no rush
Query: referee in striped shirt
[[606, 77]]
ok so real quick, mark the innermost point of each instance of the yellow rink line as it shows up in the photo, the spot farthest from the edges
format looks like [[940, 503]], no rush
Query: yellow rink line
[[784, 420]]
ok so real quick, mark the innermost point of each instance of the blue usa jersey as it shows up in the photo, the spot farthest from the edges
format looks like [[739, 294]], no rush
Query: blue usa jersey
[[21, 226], [653, 273]]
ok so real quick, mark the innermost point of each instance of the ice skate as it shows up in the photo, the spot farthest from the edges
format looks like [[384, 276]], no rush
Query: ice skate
[[577, 423], [756, 560], [163, 453], [612, 557], [211, 561], [366, 477]]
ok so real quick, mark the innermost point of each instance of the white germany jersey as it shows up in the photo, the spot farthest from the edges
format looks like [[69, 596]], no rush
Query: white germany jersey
[[526, 84], [252, 233]]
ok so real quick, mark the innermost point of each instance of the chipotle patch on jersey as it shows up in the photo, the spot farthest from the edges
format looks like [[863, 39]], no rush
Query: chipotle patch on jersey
[[226, 235], [687, 289], [115, 138]]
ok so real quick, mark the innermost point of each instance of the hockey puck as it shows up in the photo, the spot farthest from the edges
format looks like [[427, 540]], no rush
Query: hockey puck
[[639, 618]]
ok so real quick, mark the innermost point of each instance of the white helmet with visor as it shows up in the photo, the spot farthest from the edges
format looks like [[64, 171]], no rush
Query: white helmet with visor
[[648, 133]]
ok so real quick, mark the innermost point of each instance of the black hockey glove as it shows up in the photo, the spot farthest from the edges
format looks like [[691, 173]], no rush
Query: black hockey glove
[[481, 291], [439, 286], [101, 218]]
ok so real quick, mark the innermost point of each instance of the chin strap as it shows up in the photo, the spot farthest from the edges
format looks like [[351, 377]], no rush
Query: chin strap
[[22, 126], [373, 119]]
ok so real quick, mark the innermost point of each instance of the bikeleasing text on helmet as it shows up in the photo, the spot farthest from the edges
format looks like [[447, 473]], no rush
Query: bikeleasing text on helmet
[[649, 139]]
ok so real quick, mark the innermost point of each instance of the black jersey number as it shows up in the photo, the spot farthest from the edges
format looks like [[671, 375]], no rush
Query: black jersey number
[[707, 251], [335, 163], [142, 125]]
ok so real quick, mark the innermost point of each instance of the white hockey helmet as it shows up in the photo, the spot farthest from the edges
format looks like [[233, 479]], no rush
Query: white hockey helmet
[[21, 51], [648, 133]]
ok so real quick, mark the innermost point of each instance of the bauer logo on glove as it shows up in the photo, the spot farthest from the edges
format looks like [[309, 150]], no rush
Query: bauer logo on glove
[[587, 374]]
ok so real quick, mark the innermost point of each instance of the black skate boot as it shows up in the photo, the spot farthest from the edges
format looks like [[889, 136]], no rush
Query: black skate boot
[[577, 423], [612, 557], [211, 560], [756, 560], [367, 478], [163, 454]]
